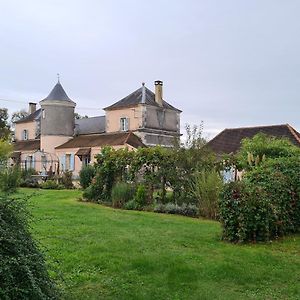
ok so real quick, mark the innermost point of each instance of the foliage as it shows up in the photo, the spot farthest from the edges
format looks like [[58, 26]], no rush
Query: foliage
[[51, 185], [261, 147], [18, 115], [5, 150], [189, 210], [141, 195], [131, 205], [78, 116], [194, 136], [121, 193], [66, 180], [206, 186], [5, 131], [10, 179], [265, 205], [27, 173], [86, 175], [23, 273]]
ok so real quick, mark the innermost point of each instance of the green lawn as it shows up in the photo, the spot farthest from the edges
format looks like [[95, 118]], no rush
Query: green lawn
[[105, 253]]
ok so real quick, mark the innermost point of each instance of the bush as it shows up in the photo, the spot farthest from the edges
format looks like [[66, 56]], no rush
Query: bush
[[86, 175], [10, 179], [27, 173], [121, 193], [51, 185], [189, 210], [29, 182], [23, 273], [131, 205], [66, 180], [265, 205], [141, 196], [206, 186]]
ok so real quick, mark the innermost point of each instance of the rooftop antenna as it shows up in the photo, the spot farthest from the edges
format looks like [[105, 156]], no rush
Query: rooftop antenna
[[58, 77]]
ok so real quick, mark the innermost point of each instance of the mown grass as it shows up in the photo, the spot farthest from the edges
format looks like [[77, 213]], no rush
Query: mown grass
[[104, 253]]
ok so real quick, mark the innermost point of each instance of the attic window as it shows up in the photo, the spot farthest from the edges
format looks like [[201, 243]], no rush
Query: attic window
[[25, 135], [124, 124]]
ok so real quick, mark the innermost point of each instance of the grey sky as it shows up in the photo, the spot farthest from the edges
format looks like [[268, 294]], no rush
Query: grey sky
[[229, 63]]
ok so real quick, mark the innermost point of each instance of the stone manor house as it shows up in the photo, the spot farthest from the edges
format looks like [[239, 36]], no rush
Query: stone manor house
[[51, 139]]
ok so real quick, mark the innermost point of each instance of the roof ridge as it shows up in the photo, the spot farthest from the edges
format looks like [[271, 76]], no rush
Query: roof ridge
[[292, 130], [258, 126]]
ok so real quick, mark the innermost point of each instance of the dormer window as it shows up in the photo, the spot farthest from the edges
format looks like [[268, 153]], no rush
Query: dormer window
[[124, 124], [25, 135]]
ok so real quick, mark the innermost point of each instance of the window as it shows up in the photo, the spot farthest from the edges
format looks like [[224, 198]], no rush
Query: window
[[68, 162], [25, 135], [124, 124], [86, 159], [43, 114]]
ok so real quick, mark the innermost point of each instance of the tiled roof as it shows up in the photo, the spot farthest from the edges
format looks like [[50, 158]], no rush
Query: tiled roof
[[90, 125], [28, 145], [105, 139], [34, 116], [141, 96], [58, 93], [229, 140]]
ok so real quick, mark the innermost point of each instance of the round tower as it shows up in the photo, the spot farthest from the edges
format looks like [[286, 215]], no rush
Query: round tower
[[57, 119]]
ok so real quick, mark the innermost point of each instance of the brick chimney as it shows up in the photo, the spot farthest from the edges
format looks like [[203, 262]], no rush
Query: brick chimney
[[158, 92], [32, 107]]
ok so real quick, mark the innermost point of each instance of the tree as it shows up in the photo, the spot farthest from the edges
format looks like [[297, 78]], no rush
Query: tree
[[4, 126], [18, 115], [78, 116]]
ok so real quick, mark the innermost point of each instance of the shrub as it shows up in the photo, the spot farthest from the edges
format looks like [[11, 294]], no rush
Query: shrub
[[86, 175], [27, 173], [121, 193], [206, 186], [131, 205], [94, 192], [29, 182], [23, 273], [141, 196], [189, 210], [10, 179], [66, 180], [265, 205], [51, 185]]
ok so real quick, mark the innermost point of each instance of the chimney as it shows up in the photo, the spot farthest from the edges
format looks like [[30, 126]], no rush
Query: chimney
[[158, 92], [32, 107]]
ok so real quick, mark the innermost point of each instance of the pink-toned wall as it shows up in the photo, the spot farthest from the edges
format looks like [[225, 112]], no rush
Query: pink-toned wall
[[30, 126], [134, 115], [49, 142], [78, 162]]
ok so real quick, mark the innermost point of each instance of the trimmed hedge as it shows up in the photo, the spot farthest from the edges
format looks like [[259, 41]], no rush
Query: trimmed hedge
[[265, 204]]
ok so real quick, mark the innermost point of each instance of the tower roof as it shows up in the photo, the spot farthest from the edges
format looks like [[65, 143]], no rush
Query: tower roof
[[58, 93]]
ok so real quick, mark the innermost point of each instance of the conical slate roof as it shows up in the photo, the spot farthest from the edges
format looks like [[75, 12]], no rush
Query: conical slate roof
[[58, 93]]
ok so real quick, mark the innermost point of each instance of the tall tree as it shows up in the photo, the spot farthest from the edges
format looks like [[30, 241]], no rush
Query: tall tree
[[4, 126], [18, 115]]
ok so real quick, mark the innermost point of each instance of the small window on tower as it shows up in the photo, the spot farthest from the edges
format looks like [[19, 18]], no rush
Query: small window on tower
[[43, 113], [124, 124], [25, 135]]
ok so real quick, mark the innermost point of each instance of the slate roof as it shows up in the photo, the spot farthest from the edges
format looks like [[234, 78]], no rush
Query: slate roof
[[229, 140], [28, 145], [34, 116], [105, 139], [90, 125], [139, 96], [58, 93]]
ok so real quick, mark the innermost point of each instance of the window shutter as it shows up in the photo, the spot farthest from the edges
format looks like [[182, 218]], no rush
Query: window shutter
[[33, 162], [62, 162], [127, 124], [72, 162]]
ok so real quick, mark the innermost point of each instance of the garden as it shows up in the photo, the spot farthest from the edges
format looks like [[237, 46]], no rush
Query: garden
[[156, 223]]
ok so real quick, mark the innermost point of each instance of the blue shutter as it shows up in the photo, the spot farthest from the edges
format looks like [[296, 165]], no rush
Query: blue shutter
[[33, 162], [62, 160], [72, 162]]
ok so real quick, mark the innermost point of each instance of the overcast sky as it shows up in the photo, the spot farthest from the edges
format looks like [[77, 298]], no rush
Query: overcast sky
[[229, 63]]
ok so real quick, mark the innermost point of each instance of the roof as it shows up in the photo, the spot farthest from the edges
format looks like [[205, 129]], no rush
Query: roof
[[229, 140], [32, 117], [105, 139], [28, 145], [90, 125], [58, 93], [141, 96]]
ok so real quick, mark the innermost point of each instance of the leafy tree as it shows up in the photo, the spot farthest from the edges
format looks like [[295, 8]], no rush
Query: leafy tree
[[18, 115], [4, 126], [78, 116]]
